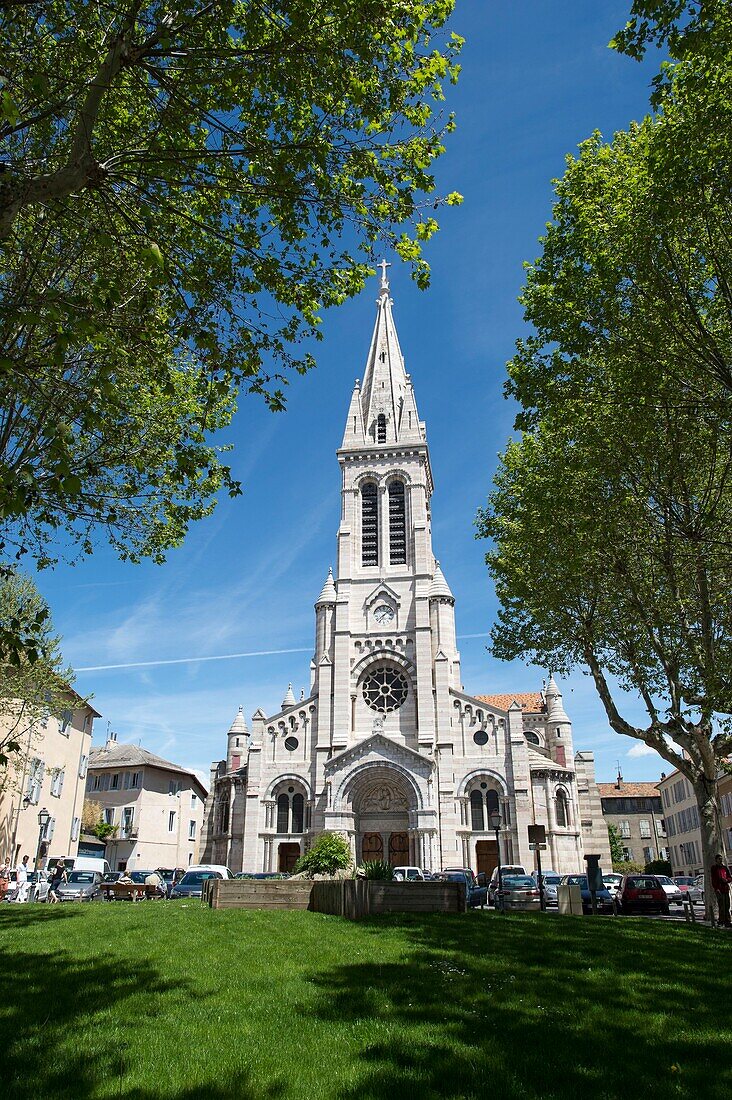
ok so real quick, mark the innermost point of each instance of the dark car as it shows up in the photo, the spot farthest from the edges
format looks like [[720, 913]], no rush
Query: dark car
[[80, 886], [191, 885], [642, 894], [477, 896], [603, 897], [170, 875]]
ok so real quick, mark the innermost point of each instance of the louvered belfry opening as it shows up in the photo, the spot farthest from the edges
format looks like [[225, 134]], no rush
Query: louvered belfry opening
[[369, 524], [381, 428], [397, 524]]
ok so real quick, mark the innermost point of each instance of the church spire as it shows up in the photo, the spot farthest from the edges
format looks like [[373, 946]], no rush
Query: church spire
[[383, 408]]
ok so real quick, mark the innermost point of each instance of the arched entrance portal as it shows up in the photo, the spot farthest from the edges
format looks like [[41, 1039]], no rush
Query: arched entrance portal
[[382, 801]]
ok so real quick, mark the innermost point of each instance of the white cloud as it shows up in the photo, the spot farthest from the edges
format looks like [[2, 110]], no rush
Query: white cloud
[[641, 749]]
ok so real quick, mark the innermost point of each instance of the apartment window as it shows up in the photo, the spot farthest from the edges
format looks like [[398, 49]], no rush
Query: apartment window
[[83, 765], [397, 524], [114, 782], [645, 829], [135, 780], [369, 524], [109, 815], [36, 771], [75, 827], [660, 827], [624, 829], [66, 717], [174, 787], [191, 830], [57, 782], [128, 816], [647, 855], [628, 855], [171, 821], [194, 796], [96, 782]]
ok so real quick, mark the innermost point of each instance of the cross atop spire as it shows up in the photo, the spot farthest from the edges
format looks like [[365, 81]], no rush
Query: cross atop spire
[[384, 281]]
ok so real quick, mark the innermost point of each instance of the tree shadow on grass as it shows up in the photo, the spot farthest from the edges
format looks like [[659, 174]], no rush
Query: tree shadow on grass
[[538, 1007], [70, 1024]]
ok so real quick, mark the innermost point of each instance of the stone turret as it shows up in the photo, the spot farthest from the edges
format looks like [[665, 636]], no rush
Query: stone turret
[[558, 725], [237, 742]]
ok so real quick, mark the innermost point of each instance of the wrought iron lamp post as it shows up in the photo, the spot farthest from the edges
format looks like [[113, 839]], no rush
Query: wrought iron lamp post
[[43, 819], [495, 823]]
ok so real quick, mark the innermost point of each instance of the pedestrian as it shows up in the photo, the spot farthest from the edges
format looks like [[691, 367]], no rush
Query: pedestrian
[[721, 879], [59, 875], [21, 877], [4, 879]]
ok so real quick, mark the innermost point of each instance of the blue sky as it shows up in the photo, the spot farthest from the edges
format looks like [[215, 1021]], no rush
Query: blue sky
[[537, 79]]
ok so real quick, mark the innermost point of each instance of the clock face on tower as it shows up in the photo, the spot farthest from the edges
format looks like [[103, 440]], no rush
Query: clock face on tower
[[383, 614]]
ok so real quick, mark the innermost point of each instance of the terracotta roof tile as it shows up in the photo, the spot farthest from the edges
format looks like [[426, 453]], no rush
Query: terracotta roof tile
[[628, 790], [530, 701]]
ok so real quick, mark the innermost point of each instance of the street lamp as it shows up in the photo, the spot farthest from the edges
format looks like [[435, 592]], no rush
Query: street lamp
[[43, 819], [494, 819]]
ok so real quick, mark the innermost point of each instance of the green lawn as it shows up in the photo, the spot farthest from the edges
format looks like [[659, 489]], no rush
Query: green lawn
[[174, 1000]]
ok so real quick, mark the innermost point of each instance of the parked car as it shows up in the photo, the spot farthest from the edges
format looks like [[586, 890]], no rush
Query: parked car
[[81, 886], [642, 894], [409, 874], [697, 890], [191, 885], [684, 882], [674, 895], [603, 898], [612, 882], [508, 869], [477, 896], [38, 886], [549, 883], [518, 892], [170, 875], [140, 879]]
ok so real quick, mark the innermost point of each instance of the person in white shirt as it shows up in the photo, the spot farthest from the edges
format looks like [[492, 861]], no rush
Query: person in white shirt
[[22, 880]]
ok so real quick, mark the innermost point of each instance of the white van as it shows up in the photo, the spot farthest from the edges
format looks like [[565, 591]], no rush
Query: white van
[[92, 863], [223, 871], [409, 874]]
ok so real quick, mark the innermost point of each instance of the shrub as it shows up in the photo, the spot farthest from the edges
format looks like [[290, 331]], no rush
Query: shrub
[[328, 853], [378, 869], [628, 867], [659, 867]]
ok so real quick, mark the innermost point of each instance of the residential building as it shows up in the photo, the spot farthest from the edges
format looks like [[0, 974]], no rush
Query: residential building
[[155, 806], [636, 812], [388, 748], [49, 772], [682, 821]]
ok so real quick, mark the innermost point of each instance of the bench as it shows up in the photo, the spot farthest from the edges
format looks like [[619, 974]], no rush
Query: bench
[[129, 891]]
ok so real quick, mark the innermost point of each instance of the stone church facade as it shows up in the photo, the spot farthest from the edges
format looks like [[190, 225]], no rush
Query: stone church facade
[[388, 748]]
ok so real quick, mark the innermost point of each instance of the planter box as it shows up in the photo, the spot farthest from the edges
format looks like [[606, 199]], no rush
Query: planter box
[[349, 898]]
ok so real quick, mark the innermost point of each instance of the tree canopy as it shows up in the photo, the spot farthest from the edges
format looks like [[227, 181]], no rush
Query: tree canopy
[[611, 515], [182, 191], [33, 682]]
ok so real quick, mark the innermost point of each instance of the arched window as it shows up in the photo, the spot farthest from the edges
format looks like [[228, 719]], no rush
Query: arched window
[[476, 812], [223, 814], [290, 811], [381, 428], [298, 813], [397, 524], [562, 808], [369, 524], [491, 802], [532, 738]]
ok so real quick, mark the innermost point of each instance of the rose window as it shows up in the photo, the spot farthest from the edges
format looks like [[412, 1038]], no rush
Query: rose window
[[385, 689]]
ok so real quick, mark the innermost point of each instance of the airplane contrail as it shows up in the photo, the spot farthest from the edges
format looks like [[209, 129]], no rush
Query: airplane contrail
[[219, 657], [193, 660]]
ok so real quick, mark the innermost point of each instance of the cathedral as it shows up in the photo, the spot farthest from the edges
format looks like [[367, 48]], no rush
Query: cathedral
[[388, 748]]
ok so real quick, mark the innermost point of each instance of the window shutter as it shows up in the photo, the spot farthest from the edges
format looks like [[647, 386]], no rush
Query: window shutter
[[82, 767], [61, 777], [50, 829], [75, 828], [40, 773]]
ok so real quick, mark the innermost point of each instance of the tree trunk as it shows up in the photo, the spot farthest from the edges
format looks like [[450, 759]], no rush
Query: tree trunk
[[706, 796]]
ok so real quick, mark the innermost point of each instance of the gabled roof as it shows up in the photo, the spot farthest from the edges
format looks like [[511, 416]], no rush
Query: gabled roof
[[531, 702], [629, 790], [117, 755]]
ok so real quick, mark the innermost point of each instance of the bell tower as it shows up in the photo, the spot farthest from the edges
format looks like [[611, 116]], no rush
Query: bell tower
[[389, 595]]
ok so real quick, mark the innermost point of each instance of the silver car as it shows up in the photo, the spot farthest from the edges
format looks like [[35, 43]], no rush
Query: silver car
[[81, 886]]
